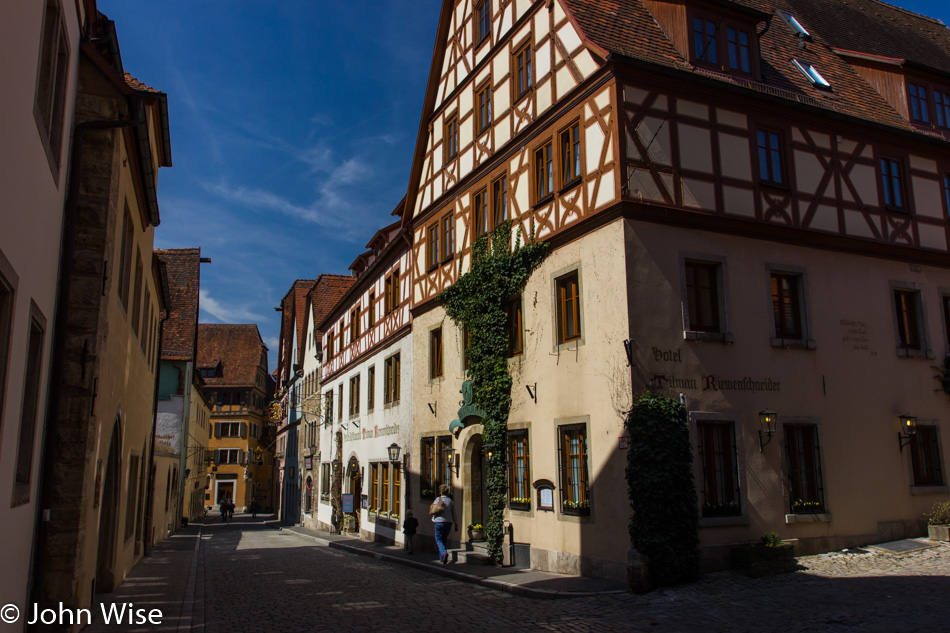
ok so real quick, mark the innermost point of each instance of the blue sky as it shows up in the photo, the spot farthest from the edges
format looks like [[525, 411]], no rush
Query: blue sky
[[293, 125]]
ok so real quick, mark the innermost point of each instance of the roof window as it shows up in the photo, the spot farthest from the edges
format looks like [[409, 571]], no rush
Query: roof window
[[812, 73], [794, 25]]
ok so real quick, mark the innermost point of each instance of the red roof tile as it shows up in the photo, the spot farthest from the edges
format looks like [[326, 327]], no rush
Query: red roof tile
[[237, 347], [627, 29], [179, 332]]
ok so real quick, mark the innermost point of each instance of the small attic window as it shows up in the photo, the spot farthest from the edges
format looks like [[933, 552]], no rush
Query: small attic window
[[812, 73], [794, 25]]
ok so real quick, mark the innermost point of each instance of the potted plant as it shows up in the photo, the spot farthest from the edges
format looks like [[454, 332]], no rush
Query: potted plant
[[938, 522], [476, 532], [768, 556]]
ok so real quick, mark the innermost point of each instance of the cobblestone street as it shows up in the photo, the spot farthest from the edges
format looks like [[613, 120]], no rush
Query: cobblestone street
[[253, 578]]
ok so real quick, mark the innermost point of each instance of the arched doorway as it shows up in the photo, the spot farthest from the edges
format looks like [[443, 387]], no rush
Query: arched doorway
[[477, 510], [355, 488], [108, 510], [308, 499]]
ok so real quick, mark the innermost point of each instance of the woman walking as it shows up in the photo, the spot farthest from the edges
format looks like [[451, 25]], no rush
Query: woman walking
[[443, 516]]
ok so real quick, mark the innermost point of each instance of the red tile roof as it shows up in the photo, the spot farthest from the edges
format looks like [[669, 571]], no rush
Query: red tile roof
[[326, 293], [179, 334], [237, 347], [627, 30], [293, 307], [874, 27], [135, 84]]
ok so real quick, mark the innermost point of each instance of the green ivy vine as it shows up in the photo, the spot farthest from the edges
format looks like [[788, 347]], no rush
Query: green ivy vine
[[665, 525], [477, 302]]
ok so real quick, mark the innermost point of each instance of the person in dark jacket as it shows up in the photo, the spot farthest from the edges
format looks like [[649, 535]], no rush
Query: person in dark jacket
[[409, 529]]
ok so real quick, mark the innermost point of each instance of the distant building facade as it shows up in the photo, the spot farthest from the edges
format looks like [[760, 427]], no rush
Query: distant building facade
[[182, 427], [365, 379], [232, 361]]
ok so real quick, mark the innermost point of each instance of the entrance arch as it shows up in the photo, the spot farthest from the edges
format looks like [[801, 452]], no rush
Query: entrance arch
[[108, 514], [474, 481]]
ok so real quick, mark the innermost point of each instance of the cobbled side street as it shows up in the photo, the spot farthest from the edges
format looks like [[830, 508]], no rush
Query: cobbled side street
[[253, 578]]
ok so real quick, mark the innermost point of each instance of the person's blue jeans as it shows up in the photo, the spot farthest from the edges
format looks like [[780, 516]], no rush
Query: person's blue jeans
[[442, 530]]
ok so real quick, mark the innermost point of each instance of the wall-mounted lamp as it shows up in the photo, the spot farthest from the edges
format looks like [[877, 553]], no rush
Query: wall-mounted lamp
[[336, 463], [628, 349], [767, 419], [488, 449], [533, 392], [394, 452], [452, 459], [908, 430]]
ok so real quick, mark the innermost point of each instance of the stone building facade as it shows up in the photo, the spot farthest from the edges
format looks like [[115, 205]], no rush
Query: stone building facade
[[98, 450]]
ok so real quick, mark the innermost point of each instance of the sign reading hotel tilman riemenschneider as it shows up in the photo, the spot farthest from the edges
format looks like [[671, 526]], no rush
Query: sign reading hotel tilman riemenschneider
[[714, 383]]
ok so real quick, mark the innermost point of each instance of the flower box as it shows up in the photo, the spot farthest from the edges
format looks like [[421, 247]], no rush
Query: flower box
[[938, 532]]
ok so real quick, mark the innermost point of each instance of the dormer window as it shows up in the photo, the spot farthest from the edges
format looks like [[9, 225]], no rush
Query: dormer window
[[812, 73], [927, 105], [794, 25], [721, 45], [917, 99]]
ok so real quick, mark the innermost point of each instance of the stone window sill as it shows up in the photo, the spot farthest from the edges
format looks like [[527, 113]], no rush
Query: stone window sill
[[717, 337], [710, 522], [929, 490], [817, 517]]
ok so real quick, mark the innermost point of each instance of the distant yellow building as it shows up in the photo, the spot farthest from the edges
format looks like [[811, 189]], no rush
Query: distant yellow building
[[232, 360]]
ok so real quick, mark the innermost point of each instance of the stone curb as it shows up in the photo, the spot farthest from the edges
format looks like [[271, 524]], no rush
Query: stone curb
[[490, 583]]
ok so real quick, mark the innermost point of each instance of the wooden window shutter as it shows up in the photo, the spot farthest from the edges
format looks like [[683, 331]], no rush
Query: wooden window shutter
[[244, 430], [217, 430]]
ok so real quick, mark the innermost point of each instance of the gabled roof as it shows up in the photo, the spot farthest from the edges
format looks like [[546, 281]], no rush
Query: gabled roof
[[179, 333], [324, 296], [628, 32], [292, 322], [237, 347]]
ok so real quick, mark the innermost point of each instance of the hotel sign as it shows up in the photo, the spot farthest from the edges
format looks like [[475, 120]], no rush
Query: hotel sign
[[715, 383]]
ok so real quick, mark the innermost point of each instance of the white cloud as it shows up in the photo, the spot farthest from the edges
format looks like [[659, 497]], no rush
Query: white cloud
[[226, 313]]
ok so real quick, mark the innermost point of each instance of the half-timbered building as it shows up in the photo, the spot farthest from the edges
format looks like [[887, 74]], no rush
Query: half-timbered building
[[747, 203], [366, 401]]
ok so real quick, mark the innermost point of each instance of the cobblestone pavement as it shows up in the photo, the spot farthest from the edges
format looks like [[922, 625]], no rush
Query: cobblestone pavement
[[261, 580]]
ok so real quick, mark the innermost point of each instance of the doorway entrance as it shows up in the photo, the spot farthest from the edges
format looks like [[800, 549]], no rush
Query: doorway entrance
[[223, 489], [109, 505], [478, 496]]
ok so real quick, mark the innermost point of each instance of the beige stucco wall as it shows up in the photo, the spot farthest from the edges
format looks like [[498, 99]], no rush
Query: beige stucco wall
[[126, 385], [31, 217], [854, 392], [198, 440], [586, 382]]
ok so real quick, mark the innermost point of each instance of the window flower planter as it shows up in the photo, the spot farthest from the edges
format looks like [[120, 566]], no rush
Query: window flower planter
[[938, 532]]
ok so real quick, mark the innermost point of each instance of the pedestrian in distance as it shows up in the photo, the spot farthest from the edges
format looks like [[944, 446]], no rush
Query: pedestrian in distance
[[223, 506], [230, 510], [442, 512], [254, 509], [409, 526]]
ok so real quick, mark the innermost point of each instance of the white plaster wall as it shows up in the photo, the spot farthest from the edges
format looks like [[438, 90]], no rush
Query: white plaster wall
[[368, 435]]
